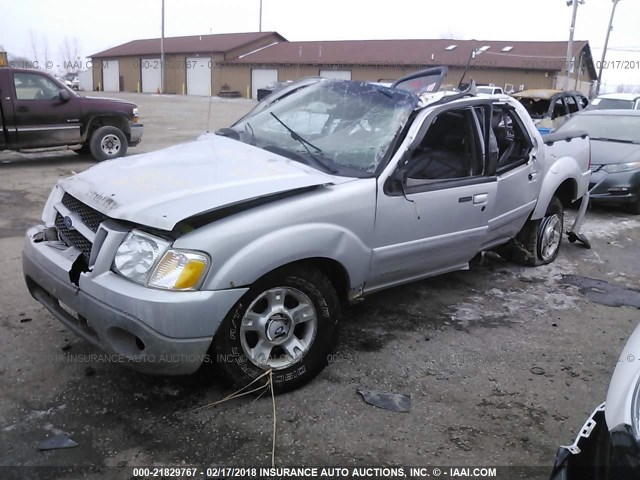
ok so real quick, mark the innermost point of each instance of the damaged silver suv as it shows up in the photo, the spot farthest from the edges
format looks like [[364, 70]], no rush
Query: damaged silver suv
[[239, 248]]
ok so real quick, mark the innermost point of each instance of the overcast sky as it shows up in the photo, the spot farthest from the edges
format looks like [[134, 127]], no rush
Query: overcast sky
[[98, 25]]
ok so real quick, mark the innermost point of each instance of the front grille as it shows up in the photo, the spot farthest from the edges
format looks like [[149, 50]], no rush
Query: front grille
[[90, 217], [73, 238]]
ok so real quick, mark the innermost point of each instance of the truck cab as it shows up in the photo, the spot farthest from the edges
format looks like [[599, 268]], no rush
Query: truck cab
[[38, 111]]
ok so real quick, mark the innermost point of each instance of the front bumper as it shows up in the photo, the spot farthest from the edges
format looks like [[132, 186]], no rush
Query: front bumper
[[615, 188], [137, 129], [599, 453], [152, 331]]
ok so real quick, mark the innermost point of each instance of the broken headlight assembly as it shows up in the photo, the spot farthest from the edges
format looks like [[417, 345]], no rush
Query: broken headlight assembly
[[149, 260]]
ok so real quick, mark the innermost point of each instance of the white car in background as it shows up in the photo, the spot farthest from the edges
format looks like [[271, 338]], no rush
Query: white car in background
[[616, 101], [489, 90]]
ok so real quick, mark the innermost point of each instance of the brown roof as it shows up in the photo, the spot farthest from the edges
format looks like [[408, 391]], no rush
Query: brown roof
[[548, 56], [218, 43]]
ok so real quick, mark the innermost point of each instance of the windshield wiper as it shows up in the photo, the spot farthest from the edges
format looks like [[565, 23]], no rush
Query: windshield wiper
[[296, 136]]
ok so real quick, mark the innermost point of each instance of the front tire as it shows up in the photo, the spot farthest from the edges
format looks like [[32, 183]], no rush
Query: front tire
[[539, 241], [108, 142], [286, 322]]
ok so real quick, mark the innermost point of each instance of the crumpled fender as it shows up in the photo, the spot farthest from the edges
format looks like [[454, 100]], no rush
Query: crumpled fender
[[291, 244], [563, 168]]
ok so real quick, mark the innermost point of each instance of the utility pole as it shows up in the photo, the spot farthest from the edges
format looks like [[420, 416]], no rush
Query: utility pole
[[260, 26], [575, 3], [606, 44], [162, 52]]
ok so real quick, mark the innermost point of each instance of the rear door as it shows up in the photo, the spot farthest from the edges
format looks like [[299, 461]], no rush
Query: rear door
[[517, 175], [42, 119], [440, 220]]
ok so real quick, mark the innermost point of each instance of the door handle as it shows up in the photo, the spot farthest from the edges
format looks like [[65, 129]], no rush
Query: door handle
[[480, 198], [22, 109]]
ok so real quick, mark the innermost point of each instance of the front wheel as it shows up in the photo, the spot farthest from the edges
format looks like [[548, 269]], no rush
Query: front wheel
[[108, 142], [539, 241], [286, 323]]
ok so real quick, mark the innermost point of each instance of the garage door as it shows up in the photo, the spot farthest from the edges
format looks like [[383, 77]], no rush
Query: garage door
[[337, 74], [110, 76], [260, 78], [199, 76], [150, 75]]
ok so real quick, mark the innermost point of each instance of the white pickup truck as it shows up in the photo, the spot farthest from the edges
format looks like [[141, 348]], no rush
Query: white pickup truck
[[240, 247]]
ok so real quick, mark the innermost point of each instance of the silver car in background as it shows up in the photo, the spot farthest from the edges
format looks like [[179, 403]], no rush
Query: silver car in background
[[615, 155]]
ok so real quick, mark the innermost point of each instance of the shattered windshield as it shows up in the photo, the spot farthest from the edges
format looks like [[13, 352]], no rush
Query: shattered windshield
[[345, 127]]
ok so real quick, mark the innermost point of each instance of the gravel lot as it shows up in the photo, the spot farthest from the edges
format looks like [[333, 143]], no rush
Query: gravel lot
[[502, 363]]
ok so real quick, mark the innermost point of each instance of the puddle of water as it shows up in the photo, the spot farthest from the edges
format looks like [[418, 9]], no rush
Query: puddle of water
[[602, 292]]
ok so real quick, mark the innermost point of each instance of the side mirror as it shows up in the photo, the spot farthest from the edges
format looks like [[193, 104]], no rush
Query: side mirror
[[397, 181], [64, 95]]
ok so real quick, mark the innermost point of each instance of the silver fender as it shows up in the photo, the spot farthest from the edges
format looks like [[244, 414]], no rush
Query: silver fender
[[298, 242], [562, 169]]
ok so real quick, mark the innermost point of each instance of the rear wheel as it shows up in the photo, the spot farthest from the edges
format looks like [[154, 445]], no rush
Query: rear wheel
[[539, 241], [286, 323], [108, 142]]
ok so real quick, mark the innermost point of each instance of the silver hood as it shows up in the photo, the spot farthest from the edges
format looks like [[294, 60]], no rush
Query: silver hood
[[161, 188]]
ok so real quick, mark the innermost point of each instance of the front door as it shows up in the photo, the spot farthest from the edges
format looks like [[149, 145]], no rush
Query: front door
[[42, 118], [440, 220]]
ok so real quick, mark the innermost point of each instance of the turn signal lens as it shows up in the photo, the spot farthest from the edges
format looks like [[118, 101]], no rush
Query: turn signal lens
[[179, 270]]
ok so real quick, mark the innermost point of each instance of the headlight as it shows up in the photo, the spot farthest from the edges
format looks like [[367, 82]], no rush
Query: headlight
[[137, 255], [136, 115], [621, 167], [148, 260], [635, 412], [179, 270]]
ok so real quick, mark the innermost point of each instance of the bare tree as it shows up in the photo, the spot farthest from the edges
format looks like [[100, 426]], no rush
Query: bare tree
[[34, 47], [45, 49], [70, 54]]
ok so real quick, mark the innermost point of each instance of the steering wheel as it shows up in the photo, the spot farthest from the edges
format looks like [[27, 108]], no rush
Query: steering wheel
[[39, 95]]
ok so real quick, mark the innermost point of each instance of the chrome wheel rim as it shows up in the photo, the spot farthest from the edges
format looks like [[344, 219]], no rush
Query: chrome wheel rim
[[278, 328], [110, 144], [550, 236]]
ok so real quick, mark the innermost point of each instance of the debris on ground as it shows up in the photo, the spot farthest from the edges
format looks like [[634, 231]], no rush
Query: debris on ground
[[537, 370], [62, 440], [389, 401]]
